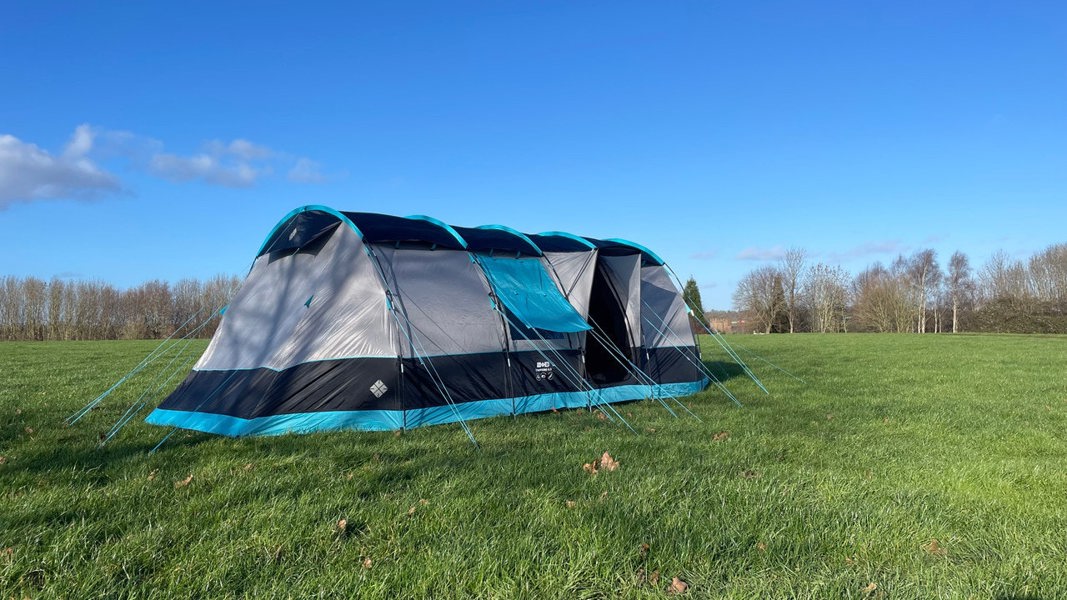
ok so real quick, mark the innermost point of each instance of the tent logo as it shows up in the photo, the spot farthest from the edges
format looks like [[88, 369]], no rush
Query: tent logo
[[378, 389], [544, 371]]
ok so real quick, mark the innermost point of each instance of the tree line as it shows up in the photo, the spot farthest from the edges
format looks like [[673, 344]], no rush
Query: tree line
[[35, 309], [914, 293]]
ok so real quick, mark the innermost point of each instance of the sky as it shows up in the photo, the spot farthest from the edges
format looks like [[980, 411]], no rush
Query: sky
[[165, 140]]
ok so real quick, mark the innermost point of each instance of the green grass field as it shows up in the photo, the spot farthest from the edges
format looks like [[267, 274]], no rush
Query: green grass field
[[906, 467]]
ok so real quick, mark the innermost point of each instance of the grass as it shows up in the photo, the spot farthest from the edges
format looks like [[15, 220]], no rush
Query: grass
[[818, 491]]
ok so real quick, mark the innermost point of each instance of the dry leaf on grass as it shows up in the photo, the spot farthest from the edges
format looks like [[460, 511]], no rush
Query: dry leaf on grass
[[9, 552], [571, 504], [608, 463], [603, 496], [423, 501], [829, 416], [342, 526], [590, 468], [869, 589], [3, 459], [761, 546], [29, 430], [750, 474], [644, 549], [411, 511], [935, 548], [601, 416], [721, 436], [184, 482], [152, 475], [677, 586], [367, 562], [654, 578]]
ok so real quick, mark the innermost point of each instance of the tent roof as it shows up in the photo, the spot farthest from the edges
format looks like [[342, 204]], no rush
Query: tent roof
[[307, 223], [489, 238]]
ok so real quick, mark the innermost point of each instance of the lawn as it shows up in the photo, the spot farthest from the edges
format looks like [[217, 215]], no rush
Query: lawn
[[905, 467]]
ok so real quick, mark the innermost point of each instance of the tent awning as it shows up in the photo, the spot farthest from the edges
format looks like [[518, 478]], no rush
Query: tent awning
[[528, 291]]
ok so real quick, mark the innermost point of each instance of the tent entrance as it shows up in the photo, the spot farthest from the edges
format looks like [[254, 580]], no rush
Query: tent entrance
[[608, 318]]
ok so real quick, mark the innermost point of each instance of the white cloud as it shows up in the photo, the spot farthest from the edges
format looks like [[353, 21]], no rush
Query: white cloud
[[306, 171], [868, 249], [206, 168], [29, 173], [754, 253]]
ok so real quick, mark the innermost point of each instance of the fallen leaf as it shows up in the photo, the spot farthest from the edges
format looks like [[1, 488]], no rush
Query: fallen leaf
[[9, 552], [654, 578], [342, 525], [651, 430], [885, 420], [423, 501], [629, 414], [29, 430], [761, 546], [571, 503], [641, 576], [644, 549], [677, 586], [869, 589], [18, 411], [829, 416], [411, 511], [278, 553], [397, 433], [850, 560], [249, 467], [152, 475], [590, 468], [722, 435], [367, 562], [935, 548], [603, 496], [601, 416], [183, 482], [3, 459], [750, 474], [608, 463]]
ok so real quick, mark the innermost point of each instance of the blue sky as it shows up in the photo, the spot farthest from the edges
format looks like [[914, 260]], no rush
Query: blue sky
[[155, 140]]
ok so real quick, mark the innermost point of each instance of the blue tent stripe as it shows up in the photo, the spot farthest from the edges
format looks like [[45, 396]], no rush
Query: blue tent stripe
[[391, 420]]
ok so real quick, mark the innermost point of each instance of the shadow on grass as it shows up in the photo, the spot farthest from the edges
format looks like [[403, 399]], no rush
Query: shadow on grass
[[724, 371]]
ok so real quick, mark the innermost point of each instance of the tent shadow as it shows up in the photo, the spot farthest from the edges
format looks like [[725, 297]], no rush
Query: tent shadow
[[724, 371]]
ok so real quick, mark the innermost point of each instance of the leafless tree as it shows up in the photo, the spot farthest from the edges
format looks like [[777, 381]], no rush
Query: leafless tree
[[791, 270], [961, 286], [825, 292], [760, 294]]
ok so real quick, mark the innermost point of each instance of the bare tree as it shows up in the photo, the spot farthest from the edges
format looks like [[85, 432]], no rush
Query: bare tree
[[760, 294], [792, 268], [961, 286], [825, 291], [924, 274]]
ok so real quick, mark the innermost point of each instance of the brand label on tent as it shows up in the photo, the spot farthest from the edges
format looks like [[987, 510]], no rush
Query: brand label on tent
[[378, 389], [544, 371]]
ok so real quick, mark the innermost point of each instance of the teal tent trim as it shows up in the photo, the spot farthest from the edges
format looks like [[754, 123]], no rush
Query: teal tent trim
[[442, 225], [518, 234], [648, 253], [391, 420], [526, 288], [308, 208], [570, 236]]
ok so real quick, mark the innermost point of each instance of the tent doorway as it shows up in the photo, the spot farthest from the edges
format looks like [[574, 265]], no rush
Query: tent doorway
[[608, 318]]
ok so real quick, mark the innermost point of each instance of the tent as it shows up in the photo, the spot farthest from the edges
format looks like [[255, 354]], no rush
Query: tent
[[367, 321]]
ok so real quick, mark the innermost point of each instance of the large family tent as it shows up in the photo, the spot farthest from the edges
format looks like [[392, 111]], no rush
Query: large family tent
[[376, 322]]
